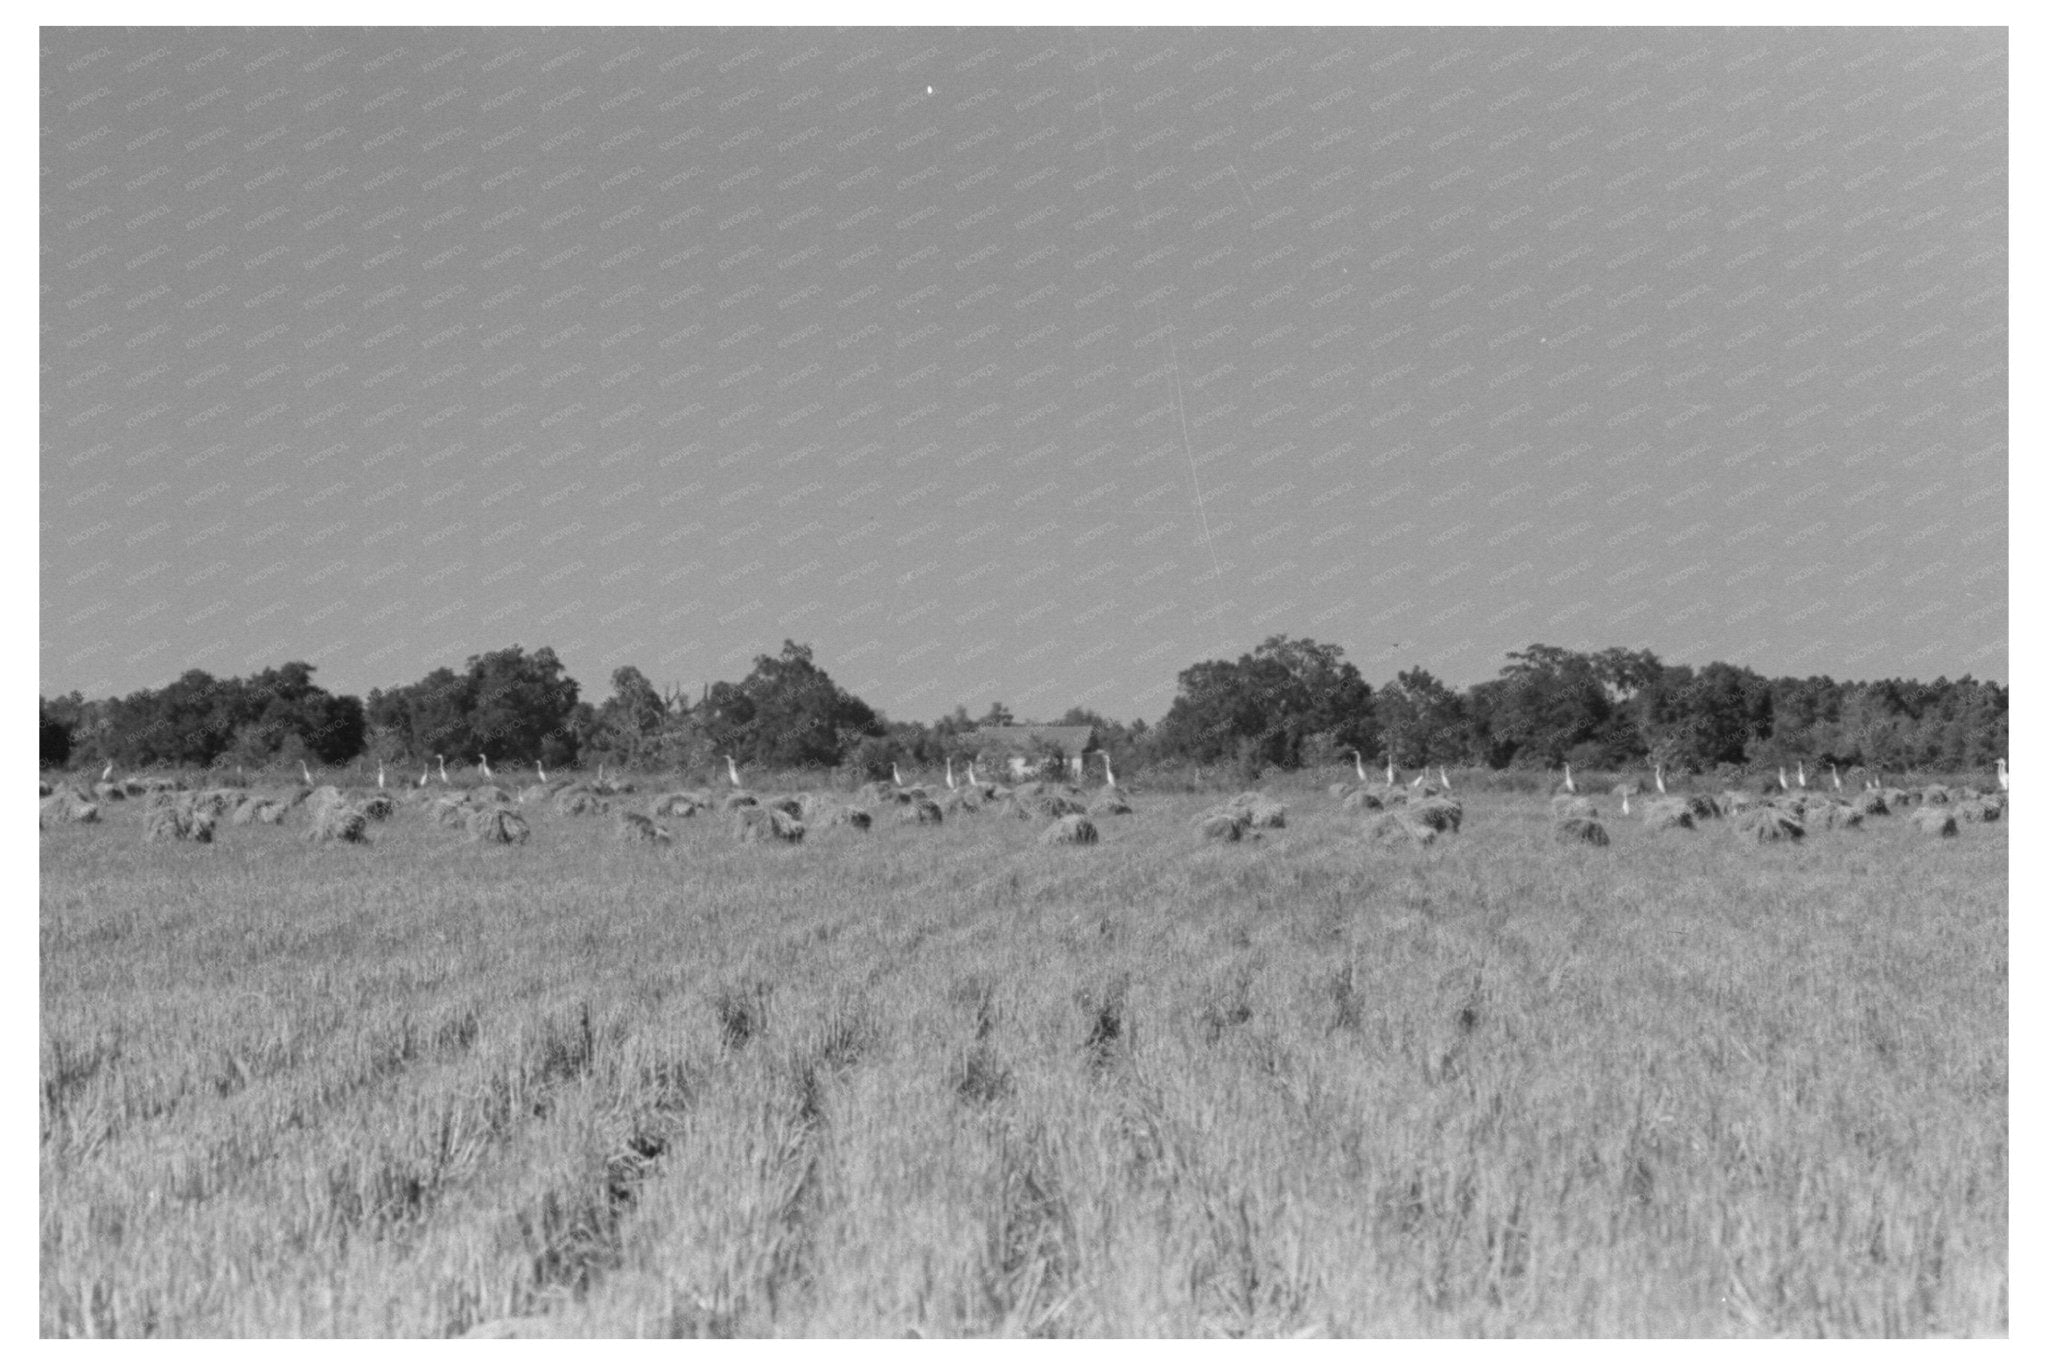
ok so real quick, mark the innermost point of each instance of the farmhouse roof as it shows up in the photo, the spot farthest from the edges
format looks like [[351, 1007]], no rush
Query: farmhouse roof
[[1068, 739]]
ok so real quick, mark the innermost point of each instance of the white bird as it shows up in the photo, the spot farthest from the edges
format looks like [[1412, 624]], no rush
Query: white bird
[[1108, 773], [951, 785], [1660, 778], [1783, 785], [444, 768], [542, 771], [1390, 767], [2004, 778], [1624, 801], [732, 770], [1358, 762], [1443, 776], [1074, 767], [1836, 774], [1418, 779], [305, 772], [895, 773], [107, 773], [423, 775], [485, 761], [380, 774], [1802, 775], [1569, 785]]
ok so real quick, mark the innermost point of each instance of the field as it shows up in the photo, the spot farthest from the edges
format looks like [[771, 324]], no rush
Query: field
[[945, 1080]]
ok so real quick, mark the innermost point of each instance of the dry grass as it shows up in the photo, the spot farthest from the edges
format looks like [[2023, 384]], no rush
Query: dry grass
[[946, 1082]]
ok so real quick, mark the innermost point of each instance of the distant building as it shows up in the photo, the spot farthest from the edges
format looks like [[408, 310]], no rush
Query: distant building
[[1033, 750]]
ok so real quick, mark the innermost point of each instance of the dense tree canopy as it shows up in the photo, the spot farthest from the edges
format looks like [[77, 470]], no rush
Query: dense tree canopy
[[508, 706], [1285, 703], [1263, 707], [278, 715]]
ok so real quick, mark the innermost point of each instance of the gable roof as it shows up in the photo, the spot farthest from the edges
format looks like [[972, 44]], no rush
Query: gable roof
[[1068, 739]]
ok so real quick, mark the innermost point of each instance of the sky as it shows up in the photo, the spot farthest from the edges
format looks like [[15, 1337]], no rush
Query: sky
[[1020, 365]]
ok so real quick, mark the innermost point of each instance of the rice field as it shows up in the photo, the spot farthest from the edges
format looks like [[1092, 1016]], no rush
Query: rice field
[[950, 1079]]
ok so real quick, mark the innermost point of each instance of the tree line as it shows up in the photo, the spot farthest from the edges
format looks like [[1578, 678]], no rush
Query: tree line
[[1287, 704]]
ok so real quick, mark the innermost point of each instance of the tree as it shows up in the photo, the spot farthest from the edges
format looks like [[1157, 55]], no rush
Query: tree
[[428, 717], [1421, 719], [508, 705], [1261, 709], [1727, 709], [798, 713], [55, 748], [631, 723], [285, 707], [522, 706], [1550, 702]]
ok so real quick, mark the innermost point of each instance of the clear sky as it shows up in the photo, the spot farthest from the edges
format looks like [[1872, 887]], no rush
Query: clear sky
[[1023, 365]]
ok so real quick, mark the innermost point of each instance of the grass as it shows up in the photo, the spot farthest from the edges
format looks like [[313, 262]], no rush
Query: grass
[[946, 1081]]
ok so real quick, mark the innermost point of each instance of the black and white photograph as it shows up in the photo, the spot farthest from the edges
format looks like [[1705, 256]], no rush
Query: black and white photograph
[[1125, 676]]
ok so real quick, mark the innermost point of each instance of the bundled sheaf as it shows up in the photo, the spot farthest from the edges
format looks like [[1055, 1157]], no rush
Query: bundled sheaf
[[1983, 808], [580, 802], [1362, 798], [1070, 829], [1834, 815], [67, 807], [757, 824], [1567, 807], [1440, 813], [1768, 825], [1043, 803], [922, 811], [449, 811], [1398, 827], [338, 822], [1580, 829], [1668, 814], [1261, 811], [497, 825], [630, 827], [1936, 821], [682, 805], [1224, 823], [1701, 805], [1872, 802], [738, 801], [1109, 803], [1732, 803], [852, 816], [964, 801], [1934, 794], [182, 820]]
